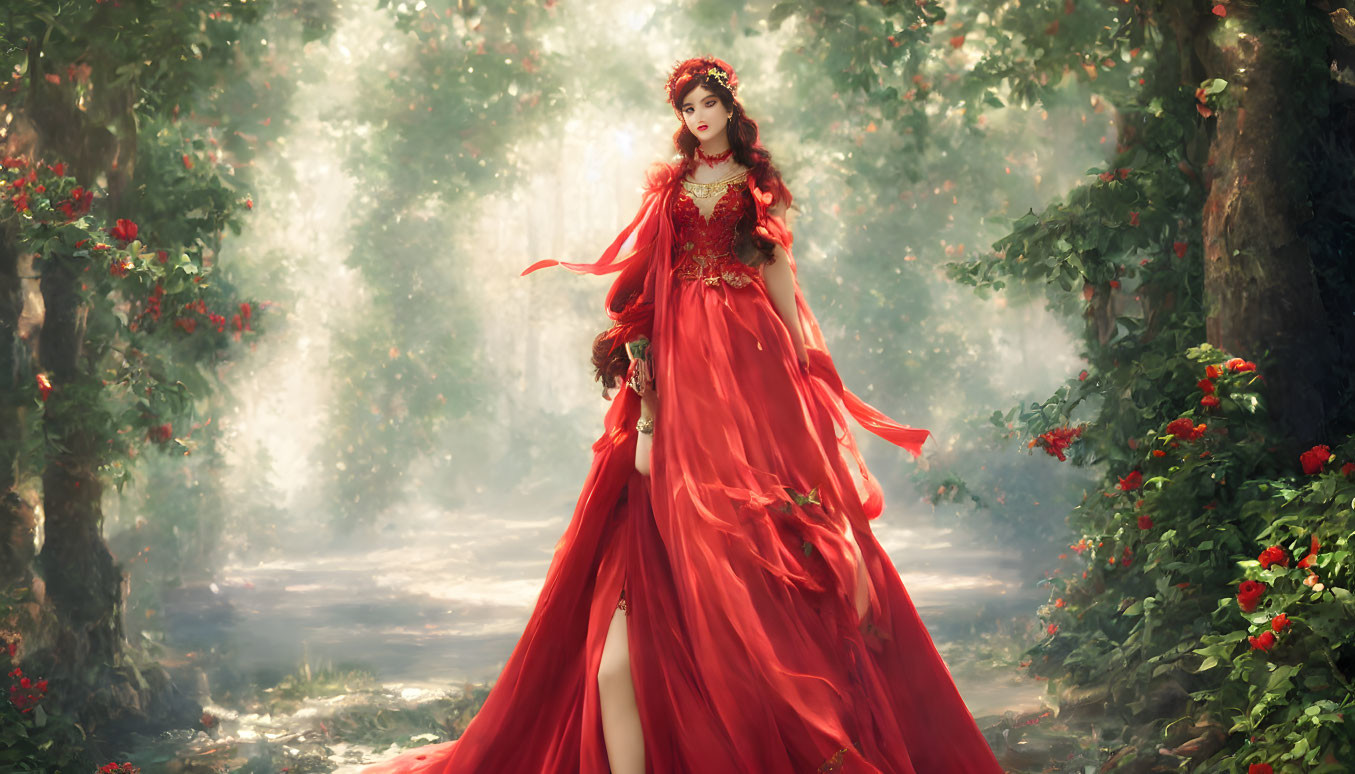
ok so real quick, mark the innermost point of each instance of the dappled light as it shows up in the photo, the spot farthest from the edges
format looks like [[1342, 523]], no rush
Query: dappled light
[[293, 450]]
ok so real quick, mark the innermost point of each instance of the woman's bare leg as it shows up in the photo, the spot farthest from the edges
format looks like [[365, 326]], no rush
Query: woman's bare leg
[[616, 693]]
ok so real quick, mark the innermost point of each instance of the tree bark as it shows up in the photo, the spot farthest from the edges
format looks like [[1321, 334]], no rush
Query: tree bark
[[83, 583], [1262, 300]]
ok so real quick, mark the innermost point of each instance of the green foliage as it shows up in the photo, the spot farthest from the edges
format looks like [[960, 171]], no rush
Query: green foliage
[[1149, 598], [144, 308], [1144, 606], [34, 737]]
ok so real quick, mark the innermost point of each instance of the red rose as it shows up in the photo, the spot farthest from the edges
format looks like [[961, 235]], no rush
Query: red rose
[[1082, 377], [1206, 385], [1279, 622], [1263, 643], [1210, 401], [1313, 459], [1238, 364], [1053, 629], [1348, 468], [1249, 594], [125, 230], [1130, 482], [1273, 555], [1212, 371], [1159, 453], [1145, 521]]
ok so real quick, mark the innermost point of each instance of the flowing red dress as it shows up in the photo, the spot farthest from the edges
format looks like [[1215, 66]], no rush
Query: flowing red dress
[[733, 555]]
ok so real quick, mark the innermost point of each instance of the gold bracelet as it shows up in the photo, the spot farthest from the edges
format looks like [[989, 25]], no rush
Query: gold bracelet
[[645, 425]]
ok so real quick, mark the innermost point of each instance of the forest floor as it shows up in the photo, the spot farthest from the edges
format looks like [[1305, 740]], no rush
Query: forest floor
[[334, 658]]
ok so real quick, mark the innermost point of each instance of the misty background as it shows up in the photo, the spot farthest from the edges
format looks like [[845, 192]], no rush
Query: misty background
[[384, 478]]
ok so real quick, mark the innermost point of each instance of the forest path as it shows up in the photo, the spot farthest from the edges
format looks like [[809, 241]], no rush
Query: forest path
[[442, 600]]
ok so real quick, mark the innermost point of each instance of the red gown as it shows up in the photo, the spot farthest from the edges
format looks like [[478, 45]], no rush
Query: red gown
[[746, 651]]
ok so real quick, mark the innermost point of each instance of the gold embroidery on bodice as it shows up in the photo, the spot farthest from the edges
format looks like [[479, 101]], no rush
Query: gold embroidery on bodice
[[705, 216]]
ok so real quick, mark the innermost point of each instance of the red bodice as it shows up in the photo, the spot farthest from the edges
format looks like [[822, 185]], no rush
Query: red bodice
[[703, 248]]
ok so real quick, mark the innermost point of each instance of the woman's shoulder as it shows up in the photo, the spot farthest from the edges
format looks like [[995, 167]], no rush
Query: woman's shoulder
[[664, 173]]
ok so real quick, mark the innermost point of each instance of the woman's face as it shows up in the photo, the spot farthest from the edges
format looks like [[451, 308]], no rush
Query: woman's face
[[705, 116]]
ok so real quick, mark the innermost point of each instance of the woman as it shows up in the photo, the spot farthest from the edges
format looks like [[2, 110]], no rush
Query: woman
[[718, 603]]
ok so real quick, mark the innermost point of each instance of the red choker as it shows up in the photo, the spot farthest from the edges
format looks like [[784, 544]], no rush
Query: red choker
[[712, 160]]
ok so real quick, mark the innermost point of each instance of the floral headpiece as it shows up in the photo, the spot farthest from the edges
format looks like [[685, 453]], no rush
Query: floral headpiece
[[706, 69]]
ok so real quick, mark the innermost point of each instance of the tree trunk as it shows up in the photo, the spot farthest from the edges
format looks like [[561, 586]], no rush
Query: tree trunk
[[1262, 299], [82, 581], [83, 584]]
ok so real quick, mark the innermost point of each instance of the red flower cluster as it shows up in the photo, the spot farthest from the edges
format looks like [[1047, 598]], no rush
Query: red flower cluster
[[1273, 555], [1313, 459], [1130, 482], [1264, 642], [1185, 429], [153, 302], [1059, 439], [25, 694], [78, 204], [1145, 521], [1249, 593]]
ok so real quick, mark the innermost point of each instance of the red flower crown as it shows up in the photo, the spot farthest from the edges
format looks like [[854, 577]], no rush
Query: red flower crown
[[706, 69]]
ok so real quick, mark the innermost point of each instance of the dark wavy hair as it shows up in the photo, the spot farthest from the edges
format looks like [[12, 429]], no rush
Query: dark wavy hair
[[610, 362]]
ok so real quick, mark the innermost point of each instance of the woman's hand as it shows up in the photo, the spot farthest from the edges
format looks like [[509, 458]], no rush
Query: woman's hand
[[644, 443]]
